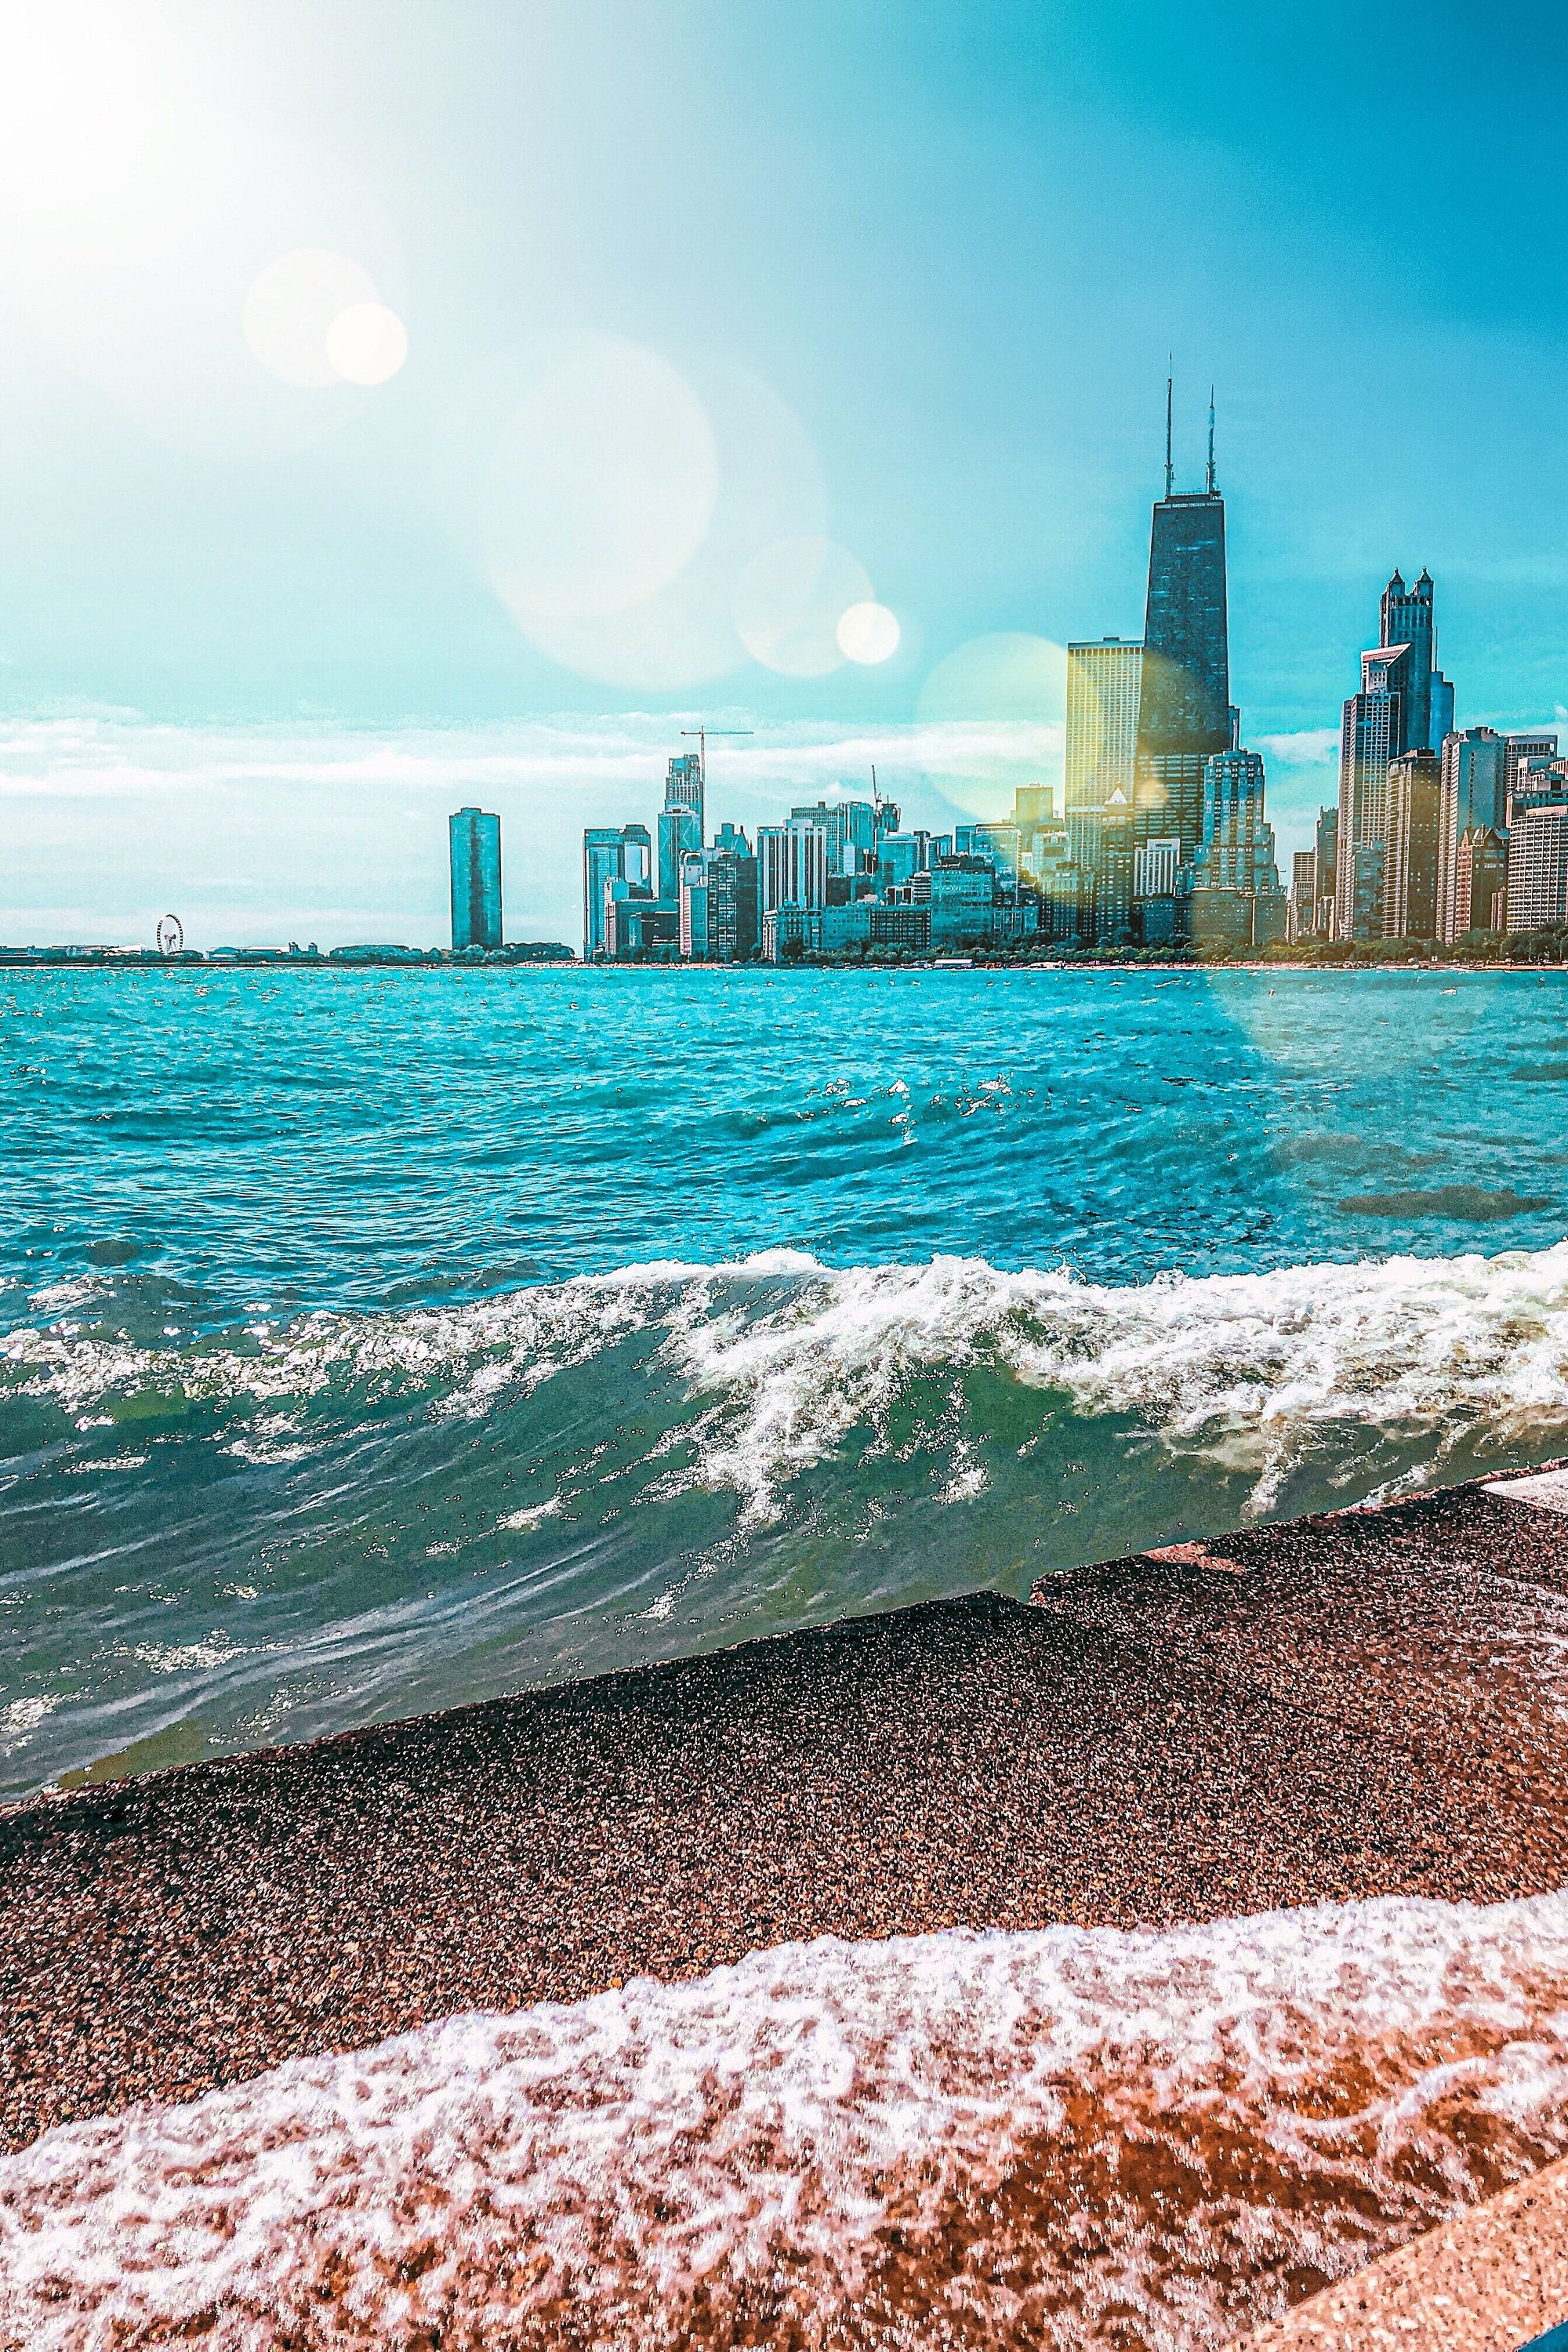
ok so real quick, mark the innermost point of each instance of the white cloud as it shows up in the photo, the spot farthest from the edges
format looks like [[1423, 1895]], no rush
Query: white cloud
[[1310, 747]]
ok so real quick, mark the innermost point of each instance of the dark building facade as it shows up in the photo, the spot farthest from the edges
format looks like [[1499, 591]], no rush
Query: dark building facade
[[733, 936], [1480, 881], [1326, 851], [475, 840], [1184, 711]]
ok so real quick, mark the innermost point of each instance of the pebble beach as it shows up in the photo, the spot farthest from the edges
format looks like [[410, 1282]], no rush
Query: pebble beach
[[1351, 1724]]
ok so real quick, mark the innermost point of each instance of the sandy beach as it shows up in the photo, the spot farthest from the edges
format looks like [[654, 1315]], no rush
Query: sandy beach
[[1261, 1838]]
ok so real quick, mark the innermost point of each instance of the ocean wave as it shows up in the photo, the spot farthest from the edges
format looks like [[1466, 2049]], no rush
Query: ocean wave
[[782, 1357], [1043, 2140]]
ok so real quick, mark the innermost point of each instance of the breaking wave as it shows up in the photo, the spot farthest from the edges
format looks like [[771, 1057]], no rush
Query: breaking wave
[[1052, 2139], [783, 1357], [281, 1529]]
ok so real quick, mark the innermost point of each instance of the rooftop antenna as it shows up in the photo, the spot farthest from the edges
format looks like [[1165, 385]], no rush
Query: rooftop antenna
[[1209, 478], [1170, 469]]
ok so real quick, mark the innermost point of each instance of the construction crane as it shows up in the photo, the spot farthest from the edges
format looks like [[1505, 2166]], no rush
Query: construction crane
[[702, 733]]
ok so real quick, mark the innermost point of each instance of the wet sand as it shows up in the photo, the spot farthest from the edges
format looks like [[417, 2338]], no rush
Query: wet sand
[[1490, 2282], [1353, 1705]]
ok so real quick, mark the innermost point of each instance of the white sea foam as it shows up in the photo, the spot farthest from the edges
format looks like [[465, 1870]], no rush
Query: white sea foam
[[1048, 2140], [782, 1357]]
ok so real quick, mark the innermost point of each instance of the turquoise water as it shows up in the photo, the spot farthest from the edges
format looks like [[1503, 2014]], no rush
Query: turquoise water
[[379, 1340]]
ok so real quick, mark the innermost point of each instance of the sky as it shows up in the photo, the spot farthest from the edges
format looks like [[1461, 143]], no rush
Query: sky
[[402, 404]]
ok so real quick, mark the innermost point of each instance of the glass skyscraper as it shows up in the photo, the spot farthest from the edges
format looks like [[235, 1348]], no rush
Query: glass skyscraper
[[475, 840], [1184, 713], [1105, 683], [1404, 705]]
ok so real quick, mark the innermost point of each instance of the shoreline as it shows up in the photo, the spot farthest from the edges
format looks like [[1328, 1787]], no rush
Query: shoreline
[[1320, 1711], [422, 962]]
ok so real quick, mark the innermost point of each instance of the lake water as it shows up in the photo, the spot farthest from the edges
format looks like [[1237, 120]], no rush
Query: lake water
[[375, 1342]]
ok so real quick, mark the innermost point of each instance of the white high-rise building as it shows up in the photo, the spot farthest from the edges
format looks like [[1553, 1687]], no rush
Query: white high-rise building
[[1155, 865], [792, 865], [1538, 846]]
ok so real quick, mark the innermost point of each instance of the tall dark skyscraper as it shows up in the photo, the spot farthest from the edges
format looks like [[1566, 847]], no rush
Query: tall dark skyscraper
[[475, 837], [1406, 617], [1184, 711]]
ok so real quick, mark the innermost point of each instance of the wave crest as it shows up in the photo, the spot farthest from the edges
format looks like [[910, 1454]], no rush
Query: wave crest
[[782, 1357]]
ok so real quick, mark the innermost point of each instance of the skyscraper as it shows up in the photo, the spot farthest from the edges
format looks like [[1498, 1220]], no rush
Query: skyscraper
[[679, 837], [1410, 872], [474, 838], [1104, 689], [854, 831], [1326, 852], [1237, 851], [732, 901], [1236, 898], [683, 786], [1474, 799], [1404, 705], [1405, 620], [1480, 882], [1370, 735], [1155, 865], [792, 865], [1185, 713], [1113, 873], [1538, 847], [612, 855]]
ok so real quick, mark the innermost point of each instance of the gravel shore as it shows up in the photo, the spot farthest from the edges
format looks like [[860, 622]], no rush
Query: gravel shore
[[1359, 1705]]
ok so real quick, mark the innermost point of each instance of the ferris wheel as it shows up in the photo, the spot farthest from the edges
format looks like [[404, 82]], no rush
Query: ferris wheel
[[170, 935]]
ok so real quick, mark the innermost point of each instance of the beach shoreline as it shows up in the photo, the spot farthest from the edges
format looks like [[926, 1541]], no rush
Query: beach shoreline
[[1347, 1707]]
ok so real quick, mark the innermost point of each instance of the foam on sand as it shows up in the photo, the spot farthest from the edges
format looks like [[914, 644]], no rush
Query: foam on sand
[[1053, 2139]]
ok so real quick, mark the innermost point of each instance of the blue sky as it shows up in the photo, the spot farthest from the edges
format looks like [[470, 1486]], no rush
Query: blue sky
[[684, 282]]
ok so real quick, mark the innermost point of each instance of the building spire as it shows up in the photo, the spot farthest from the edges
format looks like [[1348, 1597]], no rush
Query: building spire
[[1170, 469], [1209, 479]]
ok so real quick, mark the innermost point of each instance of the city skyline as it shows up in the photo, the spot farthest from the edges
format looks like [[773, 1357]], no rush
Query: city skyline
[[1161, 840], [948, 771]]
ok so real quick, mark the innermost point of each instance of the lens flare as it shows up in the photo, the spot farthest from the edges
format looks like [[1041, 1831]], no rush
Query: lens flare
[[996, 706], [292, 308], [867, 633], [770, 487], [789, 600], [601, 484], [367, 343]]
